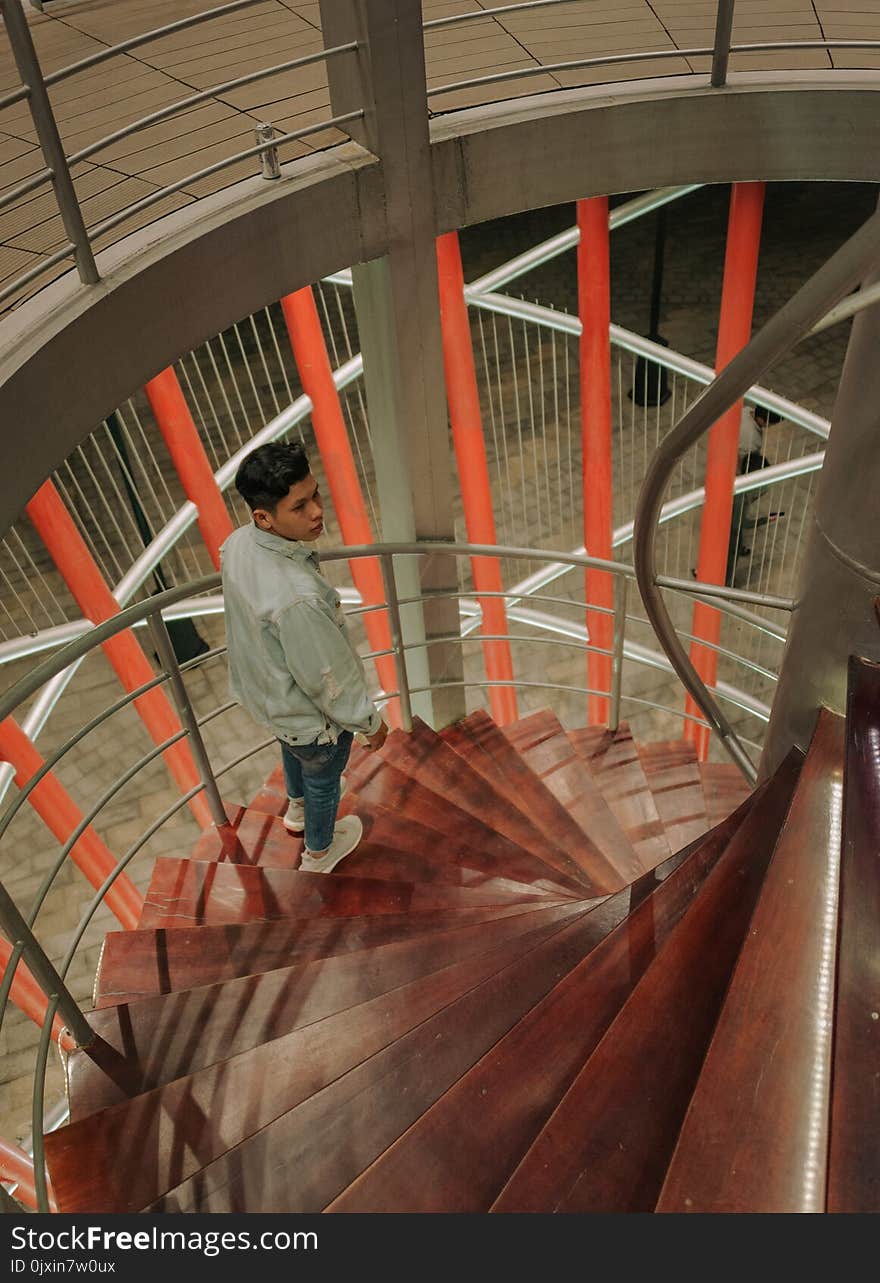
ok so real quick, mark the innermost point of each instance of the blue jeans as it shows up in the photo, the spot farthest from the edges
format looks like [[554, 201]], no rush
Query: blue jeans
[[311, 772]]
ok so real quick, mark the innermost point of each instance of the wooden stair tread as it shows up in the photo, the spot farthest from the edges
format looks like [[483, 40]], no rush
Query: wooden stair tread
[[614, 1132], [137, 964], [312, 1153], [460, 1153], [430, 760], [724, 788], [608, 858], [393, 848], [614, 761], [853, 1181], [673, 776], [145, 1044], [192, 892], [380, 783], [220, 1107], [763, 1091]]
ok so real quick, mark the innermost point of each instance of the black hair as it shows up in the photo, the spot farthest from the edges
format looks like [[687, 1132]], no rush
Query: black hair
[[266, 475], [767, 417]]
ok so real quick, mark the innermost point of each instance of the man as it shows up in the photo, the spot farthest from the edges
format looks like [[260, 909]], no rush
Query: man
[[753, 421], [291, 662]]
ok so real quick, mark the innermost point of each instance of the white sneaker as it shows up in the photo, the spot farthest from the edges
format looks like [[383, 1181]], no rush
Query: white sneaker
[[294, 819], [346, 835]]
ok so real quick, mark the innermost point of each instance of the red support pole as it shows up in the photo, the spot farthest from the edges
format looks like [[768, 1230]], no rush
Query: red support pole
[[594, 304], [188, 455], [313, 363], [734, 332], [30, 999], [57, 809], [68, 550], [473, 471], [18, 1169]]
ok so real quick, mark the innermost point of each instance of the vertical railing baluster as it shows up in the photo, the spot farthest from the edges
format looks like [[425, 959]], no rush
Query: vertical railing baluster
[[186, 712], [723, 29], [25, 945], [386, 562], [622, 589]]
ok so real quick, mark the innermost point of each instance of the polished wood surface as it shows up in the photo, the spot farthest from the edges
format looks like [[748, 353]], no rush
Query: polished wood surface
[[498, 759], [142, 1045], [447, 1023], [756, 1133], [614, 762], [608, 857], [315, 1151], [614, 1132], [138, 964], [854, 1169], [378, 782], [190, 893], [724, 789], [673, 776], [460, 1153], [425, 757], [164, 1136], [393, 847]]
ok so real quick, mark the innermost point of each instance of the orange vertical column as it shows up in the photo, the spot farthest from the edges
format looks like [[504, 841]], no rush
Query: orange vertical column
[[16, 1166], [68, 550], [27, 995], [594, 305], [473, 470], [57, 809], [188, 455], [734, 332], [313, 363]]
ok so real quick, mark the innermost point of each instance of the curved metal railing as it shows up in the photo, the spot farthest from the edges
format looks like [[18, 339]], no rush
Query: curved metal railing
[[841, 273], [34, 91]]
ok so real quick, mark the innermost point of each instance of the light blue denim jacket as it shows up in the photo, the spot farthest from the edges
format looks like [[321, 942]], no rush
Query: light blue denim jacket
[[291, 662]]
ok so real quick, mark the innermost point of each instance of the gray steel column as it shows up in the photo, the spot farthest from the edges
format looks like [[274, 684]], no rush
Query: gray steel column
[[840, 572], [397, 304]]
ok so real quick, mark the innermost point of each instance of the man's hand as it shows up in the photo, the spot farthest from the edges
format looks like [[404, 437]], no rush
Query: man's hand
[[375, 741]]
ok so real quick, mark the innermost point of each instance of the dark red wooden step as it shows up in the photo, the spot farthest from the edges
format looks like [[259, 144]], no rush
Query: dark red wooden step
[[428, 759], [608, 857], [136, 964], [379, 783], [614, 761], [608, 1145], [459, 1154], [166, 1136], [195, 893], [724, 788], [756, 1133], [143, 1045], [393, 847], [854, 1170], [673, 776]]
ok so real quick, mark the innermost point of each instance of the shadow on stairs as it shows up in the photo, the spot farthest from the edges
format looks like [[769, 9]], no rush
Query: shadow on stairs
[[562, 972]]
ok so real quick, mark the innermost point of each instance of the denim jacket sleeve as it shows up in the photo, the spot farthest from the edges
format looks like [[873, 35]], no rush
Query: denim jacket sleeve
[[325, 665]]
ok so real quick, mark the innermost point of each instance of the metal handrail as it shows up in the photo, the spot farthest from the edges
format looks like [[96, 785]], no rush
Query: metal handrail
[[836, 277], [258, 149], [34, 91], [608, 60]]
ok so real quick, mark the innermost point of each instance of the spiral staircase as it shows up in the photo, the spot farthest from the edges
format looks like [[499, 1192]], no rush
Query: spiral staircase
[[562, 972]]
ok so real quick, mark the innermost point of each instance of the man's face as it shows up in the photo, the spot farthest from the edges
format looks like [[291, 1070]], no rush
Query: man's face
[[297, 516]]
